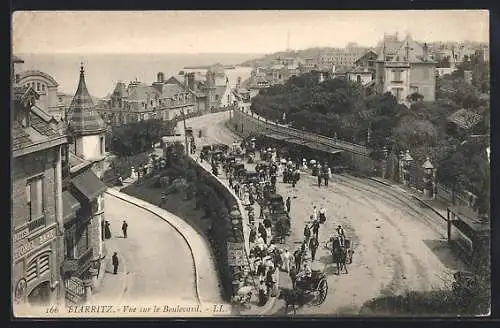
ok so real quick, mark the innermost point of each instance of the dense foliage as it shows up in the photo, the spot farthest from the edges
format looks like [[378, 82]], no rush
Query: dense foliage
[[138, 137]]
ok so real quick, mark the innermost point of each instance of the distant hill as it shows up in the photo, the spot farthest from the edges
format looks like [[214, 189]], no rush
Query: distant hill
[[304, 53]]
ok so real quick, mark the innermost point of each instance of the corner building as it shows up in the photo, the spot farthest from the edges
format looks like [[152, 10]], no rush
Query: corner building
[[36, 213]]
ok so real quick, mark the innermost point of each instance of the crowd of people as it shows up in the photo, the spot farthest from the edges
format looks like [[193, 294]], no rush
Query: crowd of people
[[267, 257]]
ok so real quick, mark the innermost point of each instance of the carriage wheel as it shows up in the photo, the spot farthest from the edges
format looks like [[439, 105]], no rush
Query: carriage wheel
[[323, 291]]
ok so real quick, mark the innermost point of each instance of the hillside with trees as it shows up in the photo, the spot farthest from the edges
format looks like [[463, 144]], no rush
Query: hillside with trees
[[340, 108]]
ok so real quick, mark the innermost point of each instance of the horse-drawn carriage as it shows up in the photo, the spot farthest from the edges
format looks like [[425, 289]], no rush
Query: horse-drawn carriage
[[239, 171], [341, 252], [312, 289], [251, 177]]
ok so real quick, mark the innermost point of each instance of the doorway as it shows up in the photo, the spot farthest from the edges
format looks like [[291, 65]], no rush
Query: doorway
[[40, 295]]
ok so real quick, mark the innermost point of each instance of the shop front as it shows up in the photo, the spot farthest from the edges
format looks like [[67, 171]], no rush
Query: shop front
[[35, 266]]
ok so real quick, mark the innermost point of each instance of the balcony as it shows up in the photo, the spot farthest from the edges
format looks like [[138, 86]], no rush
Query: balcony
[[36, 224]]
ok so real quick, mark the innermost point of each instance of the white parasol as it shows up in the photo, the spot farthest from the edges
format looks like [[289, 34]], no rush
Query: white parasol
[[283, 161], [312, 161]]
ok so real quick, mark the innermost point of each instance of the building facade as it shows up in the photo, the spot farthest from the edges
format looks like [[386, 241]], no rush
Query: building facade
[[83, 199], [403, 68], [46, 87], [37, 209]]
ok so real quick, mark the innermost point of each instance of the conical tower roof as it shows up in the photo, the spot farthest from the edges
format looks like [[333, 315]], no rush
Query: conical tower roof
[[83, 119]]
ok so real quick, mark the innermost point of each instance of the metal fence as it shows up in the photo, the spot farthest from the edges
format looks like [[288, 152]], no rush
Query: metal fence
[[305, 135]]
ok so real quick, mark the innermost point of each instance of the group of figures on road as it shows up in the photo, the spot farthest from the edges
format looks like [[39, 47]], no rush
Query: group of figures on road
[[269, 230]]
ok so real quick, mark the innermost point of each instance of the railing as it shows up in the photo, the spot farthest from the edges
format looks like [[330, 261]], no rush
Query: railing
[[307, 136], [37, 223]]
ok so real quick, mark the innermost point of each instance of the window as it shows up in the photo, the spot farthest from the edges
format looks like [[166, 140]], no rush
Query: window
[[396, 75], [425, 73], [397, 93], [38, 86], [43, 87], [34, 197], [38, 266], [82, 239]]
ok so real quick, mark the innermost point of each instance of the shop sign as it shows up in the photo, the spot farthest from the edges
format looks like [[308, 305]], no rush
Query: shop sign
[[235, 254], [23, 245]]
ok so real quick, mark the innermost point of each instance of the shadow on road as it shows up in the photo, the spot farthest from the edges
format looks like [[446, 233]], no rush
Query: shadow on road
[[444, 253], [435, 303]]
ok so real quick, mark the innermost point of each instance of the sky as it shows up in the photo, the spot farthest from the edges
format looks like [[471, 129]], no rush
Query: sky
[[233, 31]]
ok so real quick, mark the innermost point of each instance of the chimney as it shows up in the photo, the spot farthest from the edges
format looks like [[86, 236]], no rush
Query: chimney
[[191, 80], [238, 82], [160, 77], [426, 52]]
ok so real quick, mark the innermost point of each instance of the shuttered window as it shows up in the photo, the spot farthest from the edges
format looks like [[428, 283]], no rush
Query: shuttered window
[[38, 266]]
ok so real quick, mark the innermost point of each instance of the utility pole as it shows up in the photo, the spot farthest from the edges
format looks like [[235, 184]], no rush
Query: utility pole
[[185, 135]]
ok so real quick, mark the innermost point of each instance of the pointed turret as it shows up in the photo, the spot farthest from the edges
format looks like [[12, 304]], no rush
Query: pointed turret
[[83, 119]]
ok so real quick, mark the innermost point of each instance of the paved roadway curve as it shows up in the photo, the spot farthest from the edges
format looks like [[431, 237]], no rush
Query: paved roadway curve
[[398, 244], [158, 260]]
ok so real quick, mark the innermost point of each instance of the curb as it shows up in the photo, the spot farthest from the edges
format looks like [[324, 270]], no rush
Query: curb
[[414, 197], [380, 181], [428, 206], [137, 202]]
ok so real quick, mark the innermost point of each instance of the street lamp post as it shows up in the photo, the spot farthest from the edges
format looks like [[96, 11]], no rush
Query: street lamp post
[[429, 178], [384, 161], [407, 159]]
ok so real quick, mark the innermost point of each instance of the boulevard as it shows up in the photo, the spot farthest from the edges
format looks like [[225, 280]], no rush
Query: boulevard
[[399, 245]]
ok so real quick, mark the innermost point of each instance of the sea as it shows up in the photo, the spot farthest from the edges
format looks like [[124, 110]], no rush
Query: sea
[[103, 71]]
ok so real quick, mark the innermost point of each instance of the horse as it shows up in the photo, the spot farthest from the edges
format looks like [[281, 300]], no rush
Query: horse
[[339, 256], [292, 297]]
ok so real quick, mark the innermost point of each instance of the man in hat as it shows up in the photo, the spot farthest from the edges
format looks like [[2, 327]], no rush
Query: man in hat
[[115, 262], [288, 204], [124, 228], [313, 247], [341, 235]]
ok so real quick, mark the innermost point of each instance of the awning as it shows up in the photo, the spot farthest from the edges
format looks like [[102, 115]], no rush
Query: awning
[[89, 184], [70, 206]]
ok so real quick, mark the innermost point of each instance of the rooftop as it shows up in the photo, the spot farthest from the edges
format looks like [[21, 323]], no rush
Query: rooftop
[[465, 118], [82, 116]]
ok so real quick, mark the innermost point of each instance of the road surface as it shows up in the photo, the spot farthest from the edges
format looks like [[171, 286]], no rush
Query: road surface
[[158, 261], [399, 245]]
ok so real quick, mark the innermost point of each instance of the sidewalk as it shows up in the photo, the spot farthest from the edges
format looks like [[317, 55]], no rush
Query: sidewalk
[[436, 205], [111, 287], [254, 309]]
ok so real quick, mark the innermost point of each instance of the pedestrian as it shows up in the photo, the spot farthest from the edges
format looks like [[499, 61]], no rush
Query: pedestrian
[[297, 256], [262, 293], [322, 215], [315, 228], [286, 258], [307, 233], [293, 275], [124, 228], [115, 263], [271, 280], [315, 213], [253, 234], [263, 232], [107, 230], [319, 178], [231, 181], [288, 204], [313, 247]]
